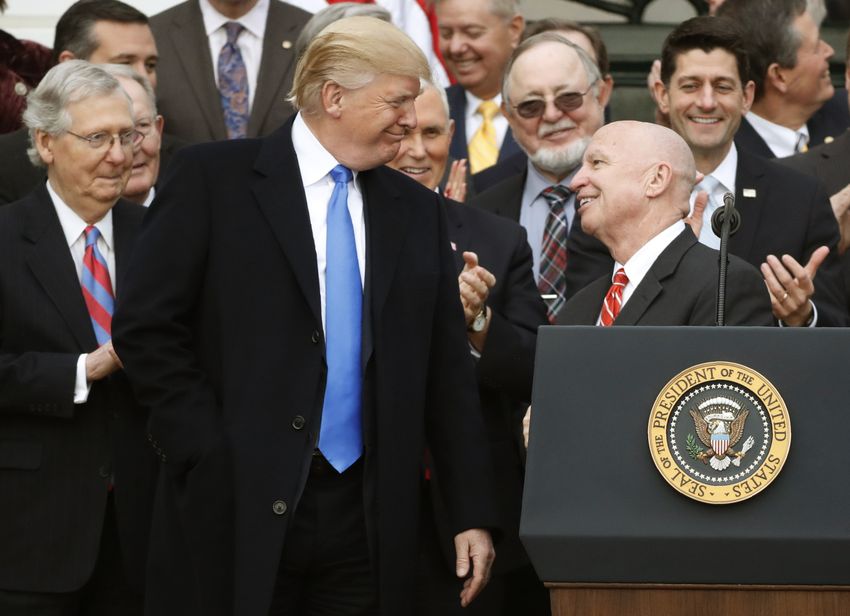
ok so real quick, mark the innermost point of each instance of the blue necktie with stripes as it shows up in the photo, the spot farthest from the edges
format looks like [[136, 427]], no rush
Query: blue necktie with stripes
[[341, 435], [97, 288]]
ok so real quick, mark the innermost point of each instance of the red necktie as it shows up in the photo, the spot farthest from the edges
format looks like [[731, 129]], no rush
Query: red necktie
[[97, 288], [613, 299]]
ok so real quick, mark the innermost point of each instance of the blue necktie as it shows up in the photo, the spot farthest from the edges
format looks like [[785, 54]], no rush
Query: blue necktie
[[233, 83], [97, 288], [341, 436]]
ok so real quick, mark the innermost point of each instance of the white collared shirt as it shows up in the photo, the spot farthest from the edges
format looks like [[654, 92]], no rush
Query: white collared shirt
[[473, 119], [781, 140], [724, 176], [640, 263], [250, 41], [74, 227], [315, 164], [534, 210]]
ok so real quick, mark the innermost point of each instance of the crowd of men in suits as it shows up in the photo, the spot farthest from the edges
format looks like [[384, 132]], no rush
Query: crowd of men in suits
[[296, 384]]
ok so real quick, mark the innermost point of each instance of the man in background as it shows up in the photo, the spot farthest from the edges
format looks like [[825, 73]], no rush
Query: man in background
[[101, 32], [553, 99], [503, 311], [476, 40], [227, 66]]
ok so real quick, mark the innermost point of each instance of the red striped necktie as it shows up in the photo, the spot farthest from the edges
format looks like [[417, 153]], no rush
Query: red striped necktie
[[613, 299], [97, 288]]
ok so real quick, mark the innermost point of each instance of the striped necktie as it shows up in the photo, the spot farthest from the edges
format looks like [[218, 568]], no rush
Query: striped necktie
[[613, 299], [341, 431], [483, 149], [553, 250], [233, 83], [97, 288]]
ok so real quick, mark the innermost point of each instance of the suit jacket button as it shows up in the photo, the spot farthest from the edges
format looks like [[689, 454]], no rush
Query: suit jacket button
[[104, 471], [279, 507], [298, 422], [316, 336]]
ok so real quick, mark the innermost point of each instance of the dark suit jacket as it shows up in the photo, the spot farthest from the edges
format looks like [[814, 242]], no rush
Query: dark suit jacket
[[831, 120], [830, 164], [457, 111], [220, 329], [587, 257], [18, 176], [790, 214], [187, 95], [506, 367], [56, 457], [680, 289]]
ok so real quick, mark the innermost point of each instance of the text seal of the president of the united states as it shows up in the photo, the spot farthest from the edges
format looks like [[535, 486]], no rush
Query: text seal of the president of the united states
[[719, 432]]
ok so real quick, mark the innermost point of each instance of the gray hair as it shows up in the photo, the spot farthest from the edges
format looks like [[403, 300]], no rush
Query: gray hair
[[63, 85], [321, 19], [424, 84], [591, 70], [770, 32], [502, 8], [122, 71]]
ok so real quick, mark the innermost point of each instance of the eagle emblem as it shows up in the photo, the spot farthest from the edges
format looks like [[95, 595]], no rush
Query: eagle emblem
[[719, 423]]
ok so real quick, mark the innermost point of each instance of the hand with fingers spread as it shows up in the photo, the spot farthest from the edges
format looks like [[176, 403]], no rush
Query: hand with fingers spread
[[791, 286], [456, 184], [475, 555]]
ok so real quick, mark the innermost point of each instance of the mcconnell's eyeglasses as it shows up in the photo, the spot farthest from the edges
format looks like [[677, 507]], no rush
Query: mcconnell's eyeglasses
[[103, 140], [566, 102]]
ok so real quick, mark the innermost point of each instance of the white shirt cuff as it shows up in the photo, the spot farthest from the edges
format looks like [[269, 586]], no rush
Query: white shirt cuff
[[81, 385]]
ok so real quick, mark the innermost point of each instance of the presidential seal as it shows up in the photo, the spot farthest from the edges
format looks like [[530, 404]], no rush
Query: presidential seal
[[719, 432]]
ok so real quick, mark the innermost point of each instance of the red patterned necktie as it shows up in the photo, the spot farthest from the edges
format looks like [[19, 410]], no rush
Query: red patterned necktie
[[553, 250], [97, 288], [613, 299]]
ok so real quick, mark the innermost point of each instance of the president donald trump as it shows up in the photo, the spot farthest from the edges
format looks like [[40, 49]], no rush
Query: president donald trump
[[291, 317]]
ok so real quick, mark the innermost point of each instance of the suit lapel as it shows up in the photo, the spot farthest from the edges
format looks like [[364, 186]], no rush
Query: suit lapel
[[276, 62], [193, 52], [52, 265], [386, 217], [280, 196], [749, 181], [652, 284], [124, 229]]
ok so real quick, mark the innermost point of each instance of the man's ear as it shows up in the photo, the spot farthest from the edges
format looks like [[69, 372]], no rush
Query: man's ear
[[516, 25], [749, 95], [658, 179], [44, 144], [451, 129], [65, 56], [332, 95], [775, 78], [662, 96], [159, 124]]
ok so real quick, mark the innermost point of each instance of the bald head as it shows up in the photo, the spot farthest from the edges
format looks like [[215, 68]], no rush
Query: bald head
[[634, 183]]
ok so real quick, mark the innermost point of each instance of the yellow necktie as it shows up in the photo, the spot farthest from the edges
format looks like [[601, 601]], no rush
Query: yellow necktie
[[483, 149]]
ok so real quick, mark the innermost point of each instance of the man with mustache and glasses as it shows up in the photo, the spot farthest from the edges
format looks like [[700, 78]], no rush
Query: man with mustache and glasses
[[554, 102]]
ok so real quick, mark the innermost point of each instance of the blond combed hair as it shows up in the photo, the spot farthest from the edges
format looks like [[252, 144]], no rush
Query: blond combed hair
[[352, 52]]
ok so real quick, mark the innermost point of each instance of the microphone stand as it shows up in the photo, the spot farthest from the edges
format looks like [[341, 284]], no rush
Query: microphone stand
[[724, 222]]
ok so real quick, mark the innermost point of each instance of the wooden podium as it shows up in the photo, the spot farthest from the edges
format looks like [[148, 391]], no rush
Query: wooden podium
[[610, 537]]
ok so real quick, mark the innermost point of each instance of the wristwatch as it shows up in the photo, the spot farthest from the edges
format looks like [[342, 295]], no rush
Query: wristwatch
[[479, 321]]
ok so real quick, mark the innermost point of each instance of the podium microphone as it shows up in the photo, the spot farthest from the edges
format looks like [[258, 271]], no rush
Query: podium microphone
[[724, 222]]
